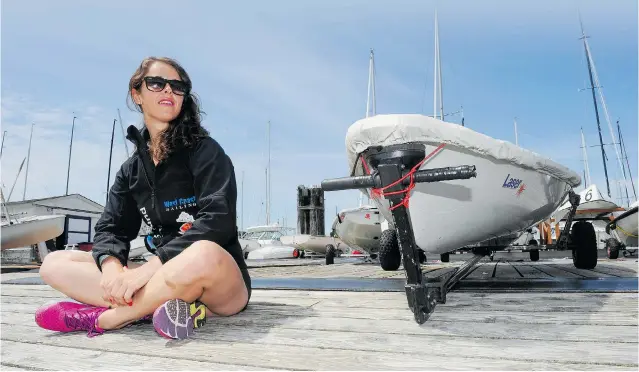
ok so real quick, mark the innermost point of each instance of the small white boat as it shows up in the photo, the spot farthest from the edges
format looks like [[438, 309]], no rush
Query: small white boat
[[26, 231], [514, 188], [592, 206], [360, 228], [273, 252], [267, 236], [314, 243], [624, 228]]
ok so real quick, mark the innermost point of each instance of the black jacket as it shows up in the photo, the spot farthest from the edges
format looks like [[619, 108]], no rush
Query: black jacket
[[188, 197]]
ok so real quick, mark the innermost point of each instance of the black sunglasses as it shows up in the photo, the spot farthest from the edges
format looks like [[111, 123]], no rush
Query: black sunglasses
[[157, 84]]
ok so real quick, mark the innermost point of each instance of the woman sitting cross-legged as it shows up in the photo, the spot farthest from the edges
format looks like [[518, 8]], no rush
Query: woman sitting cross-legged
[[182, 184]]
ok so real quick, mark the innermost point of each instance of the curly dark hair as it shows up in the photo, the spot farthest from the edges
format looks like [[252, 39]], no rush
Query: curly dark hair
[[186, 129]]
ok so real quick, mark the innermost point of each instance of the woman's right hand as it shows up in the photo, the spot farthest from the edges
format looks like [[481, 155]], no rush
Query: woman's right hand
[[111, 269]]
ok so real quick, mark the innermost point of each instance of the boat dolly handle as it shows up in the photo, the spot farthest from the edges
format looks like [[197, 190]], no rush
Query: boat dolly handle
[[421, 176], [422, 296]]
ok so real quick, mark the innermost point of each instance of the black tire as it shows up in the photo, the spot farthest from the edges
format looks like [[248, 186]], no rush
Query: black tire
[[422, 256], [302, 254], [583, 241], [330, 254], [445, 257], [534, 255], [612, 248], [389, 255]]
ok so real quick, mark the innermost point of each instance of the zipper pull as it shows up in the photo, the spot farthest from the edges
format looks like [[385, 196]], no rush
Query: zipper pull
[[152, 198]]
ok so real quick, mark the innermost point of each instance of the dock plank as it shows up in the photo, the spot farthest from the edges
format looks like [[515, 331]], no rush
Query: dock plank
[[614, 271], [483, 270], [468, 330], [505, 270], [291, 353], [557, 272], [518, 350], [585, 273], [39, 354], [530, 271]]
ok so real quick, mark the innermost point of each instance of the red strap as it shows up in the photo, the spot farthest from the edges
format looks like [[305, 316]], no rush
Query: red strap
[[380, 192]]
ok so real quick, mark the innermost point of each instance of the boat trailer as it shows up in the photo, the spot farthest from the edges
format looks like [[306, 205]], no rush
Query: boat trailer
[[388, 167]]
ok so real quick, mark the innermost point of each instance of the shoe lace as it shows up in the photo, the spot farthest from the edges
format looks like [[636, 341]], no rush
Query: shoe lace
[[83, 319]]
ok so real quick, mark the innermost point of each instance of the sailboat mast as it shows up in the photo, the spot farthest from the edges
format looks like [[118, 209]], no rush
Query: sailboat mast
[[625, 155], [371, 85], [585, 155], [266, 183], [16, 180], [268, 176], [516, 136], [110, 157], [370, 100], [439, 73], [242, 221], [126, 146], [435, 79], [70, 148], [594, 100], [26, 174], [4, 135]]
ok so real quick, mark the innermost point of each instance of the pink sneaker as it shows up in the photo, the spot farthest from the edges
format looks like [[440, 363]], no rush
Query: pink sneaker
[[69, 316]]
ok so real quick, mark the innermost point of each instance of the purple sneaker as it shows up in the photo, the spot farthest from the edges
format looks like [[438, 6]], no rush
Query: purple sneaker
[[69, 316], [173, 319]]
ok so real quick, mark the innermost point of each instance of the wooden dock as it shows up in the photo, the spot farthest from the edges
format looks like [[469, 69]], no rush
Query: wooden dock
[[353, 330]]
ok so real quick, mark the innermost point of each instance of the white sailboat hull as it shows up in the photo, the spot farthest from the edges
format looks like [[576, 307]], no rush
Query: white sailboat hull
[[313, 243], [249, 245], [514, 188], [31, 230], [627, 227], [592, 205], [271, 252], [360, 228]]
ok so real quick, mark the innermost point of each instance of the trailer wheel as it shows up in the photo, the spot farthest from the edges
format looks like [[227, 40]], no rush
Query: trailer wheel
[[584, 245], [534, 255], [330, 254], [612, 248], [389, 256], [296, 253], [445, 257]]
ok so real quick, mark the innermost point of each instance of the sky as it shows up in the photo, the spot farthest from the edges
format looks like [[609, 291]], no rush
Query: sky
[[303, 66]]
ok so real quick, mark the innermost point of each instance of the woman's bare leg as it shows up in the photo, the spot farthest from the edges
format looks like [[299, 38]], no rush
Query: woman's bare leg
[[203, 271], [75, 274]]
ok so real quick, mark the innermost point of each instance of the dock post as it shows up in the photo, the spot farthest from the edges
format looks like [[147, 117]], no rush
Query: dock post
[[310, 210]]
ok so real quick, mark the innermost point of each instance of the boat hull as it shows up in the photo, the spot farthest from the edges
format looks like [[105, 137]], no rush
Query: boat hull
[[503, 199], [592, 205], [272, 252], [313, 243], [360, 228], [627, 227], [31, 230], [514, 188]]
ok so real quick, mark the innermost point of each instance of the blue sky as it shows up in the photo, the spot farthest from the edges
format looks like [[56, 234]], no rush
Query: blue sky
[[304, 67]]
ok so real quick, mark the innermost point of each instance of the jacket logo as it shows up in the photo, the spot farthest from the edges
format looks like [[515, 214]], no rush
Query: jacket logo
[[146, 217], [179, 203], [188, 222]]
